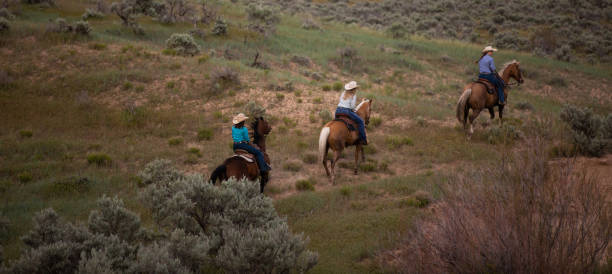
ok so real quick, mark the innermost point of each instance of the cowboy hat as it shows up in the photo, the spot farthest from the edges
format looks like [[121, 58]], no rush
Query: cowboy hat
[[239, 118], [489, 48], [351, 85]]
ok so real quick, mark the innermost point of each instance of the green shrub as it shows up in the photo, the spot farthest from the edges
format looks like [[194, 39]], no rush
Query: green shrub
[[82, 28], [133, 115], [205, 134], [24, 177], [422, 197], [397, 30], [370, 149], [5, 25], [25, 134], [97, 46], [183, 44], [293, 166], [563, 150], [280, 96], [224, 78], [590, 132], [289, 123], [262, 19], [395, 142], [70, 185], [169, 52], [127, 86], [91, 14], [317, 100], [175, 141], [6, 14], [337, 86], [524, 106], [195, 151], [375, 121], [309, 158], [304, 185], [557, 82], [368, 167], [203, 58], [505, 134], [170, 84], [325, 115], [421, 121], [220, 27], [326, 87], [99, 159], [345, 191]]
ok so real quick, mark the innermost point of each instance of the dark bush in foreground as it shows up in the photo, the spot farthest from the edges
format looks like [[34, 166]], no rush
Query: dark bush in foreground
[[5, 26], [203, 228], [183, 44], [520, 216], [99, 159]]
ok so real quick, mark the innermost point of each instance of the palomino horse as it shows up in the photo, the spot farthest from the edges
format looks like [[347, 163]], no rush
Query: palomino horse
[[336, 135], [475, 97], [240, 168]]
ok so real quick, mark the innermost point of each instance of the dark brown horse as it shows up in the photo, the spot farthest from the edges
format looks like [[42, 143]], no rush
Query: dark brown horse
[[240, 168], [336, 135], [476, 97]]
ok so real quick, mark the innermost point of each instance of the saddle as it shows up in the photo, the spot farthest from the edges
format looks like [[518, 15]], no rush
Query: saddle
[[350, 124], [488, 85], [244, 155]]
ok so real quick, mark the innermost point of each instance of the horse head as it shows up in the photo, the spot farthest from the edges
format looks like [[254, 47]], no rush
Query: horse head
[[260, 126], [514, 71]]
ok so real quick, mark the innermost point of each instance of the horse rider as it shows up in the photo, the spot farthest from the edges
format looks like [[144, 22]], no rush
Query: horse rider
[[240, 135], [488, 72], [347, 105]]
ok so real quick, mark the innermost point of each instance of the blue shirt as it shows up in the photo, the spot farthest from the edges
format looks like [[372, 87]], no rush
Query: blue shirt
[[240, 134], [486, 64]]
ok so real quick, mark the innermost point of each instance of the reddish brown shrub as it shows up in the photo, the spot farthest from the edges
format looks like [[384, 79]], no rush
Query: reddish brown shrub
[[521, 216]]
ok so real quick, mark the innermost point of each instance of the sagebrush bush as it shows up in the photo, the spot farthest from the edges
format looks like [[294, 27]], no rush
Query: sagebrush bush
[[205, 134], [5, 25], [263, 19], [237, 226], [503, 219], [183, 44], [82, 28], [325, 115], [293, 166], [309, 158], [253, 110], [505, 134], [91, 14], [6, 14], [160, 171], [590, 132], [220, 27], [396, 142], [224, 78]]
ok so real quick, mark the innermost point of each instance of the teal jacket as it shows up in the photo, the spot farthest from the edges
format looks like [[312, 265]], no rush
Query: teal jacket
[[240, 134]]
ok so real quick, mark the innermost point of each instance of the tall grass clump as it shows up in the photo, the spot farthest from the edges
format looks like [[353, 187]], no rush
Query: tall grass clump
[[591, 133], [518, 216]]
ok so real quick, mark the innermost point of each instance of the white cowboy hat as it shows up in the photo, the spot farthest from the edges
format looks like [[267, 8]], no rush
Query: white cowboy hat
[[489, 48], [239, 118], [351, 85]]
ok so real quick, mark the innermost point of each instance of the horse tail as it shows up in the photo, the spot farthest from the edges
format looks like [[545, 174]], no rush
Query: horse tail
[[323, 143], [218, 173], [462, 106]]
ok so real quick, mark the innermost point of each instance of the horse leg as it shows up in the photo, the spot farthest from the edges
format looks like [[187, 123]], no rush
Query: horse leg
[[325, 163], [265, 177], [492, 112], [501, 114], [333, 165], [362, 154], [357, 149], [473, 116]]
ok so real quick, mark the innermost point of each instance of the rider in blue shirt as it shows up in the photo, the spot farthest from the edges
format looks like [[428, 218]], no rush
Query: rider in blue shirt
[[487, 71], [240, 135]]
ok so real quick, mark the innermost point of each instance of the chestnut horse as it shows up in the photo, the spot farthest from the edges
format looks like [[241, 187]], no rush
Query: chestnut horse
[[238, 167], [476, 97], [336, 135]]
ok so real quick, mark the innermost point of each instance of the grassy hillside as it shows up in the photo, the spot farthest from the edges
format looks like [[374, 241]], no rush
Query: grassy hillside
[[82, 115]]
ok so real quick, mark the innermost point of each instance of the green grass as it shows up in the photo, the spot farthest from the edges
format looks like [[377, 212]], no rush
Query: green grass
[[344, 225]]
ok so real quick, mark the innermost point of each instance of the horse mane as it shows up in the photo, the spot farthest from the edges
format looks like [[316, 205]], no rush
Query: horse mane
[[506, 65], [361, 104], [256, 135]]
